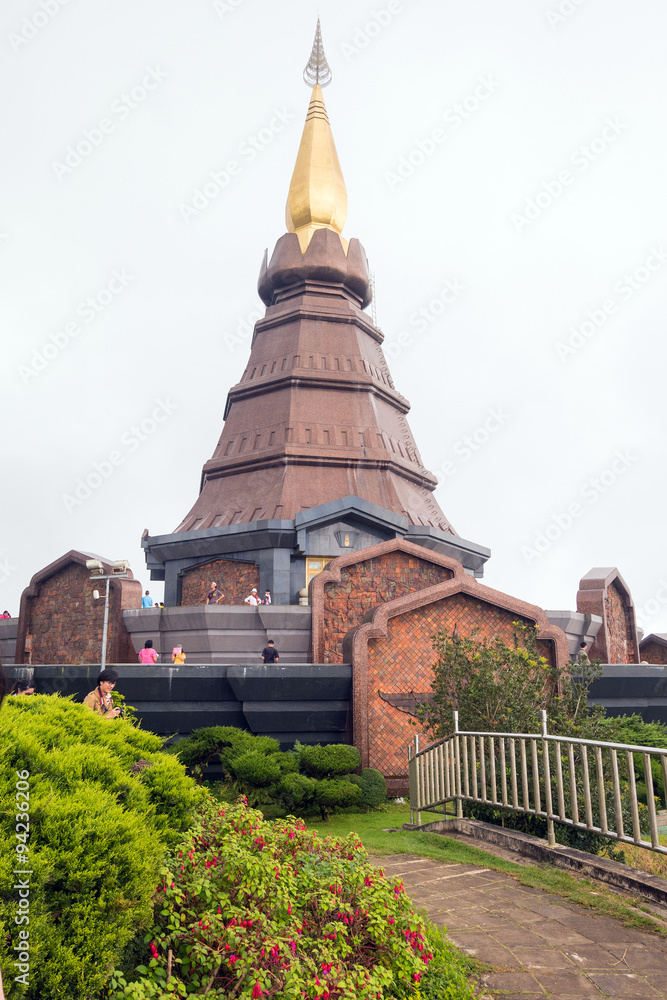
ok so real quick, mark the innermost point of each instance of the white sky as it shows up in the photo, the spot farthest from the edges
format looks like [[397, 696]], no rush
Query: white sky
[[584, 95]]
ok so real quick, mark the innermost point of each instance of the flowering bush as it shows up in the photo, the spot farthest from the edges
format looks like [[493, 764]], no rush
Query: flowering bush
[[256, 909]]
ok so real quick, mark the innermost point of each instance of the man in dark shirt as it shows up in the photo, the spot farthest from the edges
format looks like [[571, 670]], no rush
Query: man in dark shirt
[[270, 653]]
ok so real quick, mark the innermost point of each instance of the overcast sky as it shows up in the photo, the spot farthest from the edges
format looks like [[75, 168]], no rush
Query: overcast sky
[[506, 166]]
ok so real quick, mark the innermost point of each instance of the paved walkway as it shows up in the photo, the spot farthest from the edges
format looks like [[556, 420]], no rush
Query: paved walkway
[[542, 947]]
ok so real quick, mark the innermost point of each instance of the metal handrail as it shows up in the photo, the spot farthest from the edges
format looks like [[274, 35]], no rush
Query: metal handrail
[[541, 774]]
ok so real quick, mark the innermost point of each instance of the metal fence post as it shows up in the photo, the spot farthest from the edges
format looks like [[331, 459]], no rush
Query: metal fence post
[[419, 784], [457, 765], [551, 833]]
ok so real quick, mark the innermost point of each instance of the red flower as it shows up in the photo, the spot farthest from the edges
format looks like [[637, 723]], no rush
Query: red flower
[[257, 990], [154, 950]]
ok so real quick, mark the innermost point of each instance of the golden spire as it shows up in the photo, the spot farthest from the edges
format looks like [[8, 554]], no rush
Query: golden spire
[[317, 197]]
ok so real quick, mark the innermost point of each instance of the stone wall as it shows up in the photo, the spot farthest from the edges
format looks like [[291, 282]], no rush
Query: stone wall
[[653, 649], [603, 592], [234, 578], [354, 584], [63, 622]]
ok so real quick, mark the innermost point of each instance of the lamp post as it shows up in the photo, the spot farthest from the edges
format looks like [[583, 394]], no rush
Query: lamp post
[[118, 572]]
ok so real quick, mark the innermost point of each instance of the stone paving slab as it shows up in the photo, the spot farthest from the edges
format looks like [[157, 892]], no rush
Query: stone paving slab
[[542, 947]]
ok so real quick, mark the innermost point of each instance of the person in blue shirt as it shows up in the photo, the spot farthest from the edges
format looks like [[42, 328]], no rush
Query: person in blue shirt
[[147, 600]]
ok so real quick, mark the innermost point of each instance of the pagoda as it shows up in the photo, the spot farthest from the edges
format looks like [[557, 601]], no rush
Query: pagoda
[[315, 457]]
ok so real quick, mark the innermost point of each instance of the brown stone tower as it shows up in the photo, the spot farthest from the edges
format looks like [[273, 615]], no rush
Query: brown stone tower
[[315, 435]]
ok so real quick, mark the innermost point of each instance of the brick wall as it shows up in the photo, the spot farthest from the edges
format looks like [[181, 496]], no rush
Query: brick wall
[[403, 661], [66, 622], [392, 653], [365, 584], [235, 579], [653, 651], [603, 592]]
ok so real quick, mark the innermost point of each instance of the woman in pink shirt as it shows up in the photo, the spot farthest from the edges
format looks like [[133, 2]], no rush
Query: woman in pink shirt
[[148, 654]]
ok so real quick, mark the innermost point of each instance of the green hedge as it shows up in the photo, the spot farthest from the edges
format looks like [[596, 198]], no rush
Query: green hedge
[[104, 804]]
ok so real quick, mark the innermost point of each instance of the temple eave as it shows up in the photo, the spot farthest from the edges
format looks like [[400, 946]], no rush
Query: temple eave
[[305, 379], [300, 456]]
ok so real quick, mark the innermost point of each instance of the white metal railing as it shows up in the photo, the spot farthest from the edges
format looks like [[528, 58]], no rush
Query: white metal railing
[[588, 785]]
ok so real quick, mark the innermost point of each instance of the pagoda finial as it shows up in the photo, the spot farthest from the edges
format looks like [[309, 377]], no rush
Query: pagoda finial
[[317, 70], [317, 197]]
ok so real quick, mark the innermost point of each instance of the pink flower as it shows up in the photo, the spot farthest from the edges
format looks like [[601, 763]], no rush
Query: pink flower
[[154, 950], [257, 990]]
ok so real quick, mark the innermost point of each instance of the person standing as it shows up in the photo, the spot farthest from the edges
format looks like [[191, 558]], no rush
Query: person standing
[[267, 597], [147, 600], [215, 595], [100, 700], [253, 598], [177, 655], [270, 653], [148, 655]]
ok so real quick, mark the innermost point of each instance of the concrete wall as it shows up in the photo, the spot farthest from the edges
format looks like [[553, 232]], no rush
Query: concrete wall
[[8, 630], [626, 688], [222, 634], [289, 702]]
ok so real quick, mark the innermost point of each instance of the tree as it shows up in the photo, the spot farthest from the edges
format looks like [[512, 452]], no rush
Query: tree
[[501, 688]]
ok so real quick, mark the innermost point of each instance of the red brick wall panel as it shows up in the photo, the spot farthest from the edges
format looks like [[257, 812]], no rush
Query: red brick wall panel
[[392, 652], [66, 623], [235, 579], [364, 585], [654, 651], [403, 661], [605, 593]]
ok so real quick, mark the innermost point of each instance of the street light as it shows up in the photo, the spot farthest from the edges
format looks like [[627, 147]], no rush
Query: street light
[[118, 571]]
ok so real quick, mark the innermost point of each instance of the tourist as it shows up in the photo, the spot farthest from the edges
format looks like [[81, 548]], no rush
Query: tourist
[[22, 687], [215, 595], [177, 655], [267, 597], [147, 600], [5, 614], [148, 655], [583, 653], [253, 598], [270, 653], [100, 700]]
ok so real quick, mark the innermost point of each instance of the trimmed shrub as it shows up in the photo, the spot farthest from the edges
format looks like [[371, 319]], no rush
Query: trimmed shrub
[[373, 787], [103, 804], [329, 761], [256, 769], [219, 743]]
